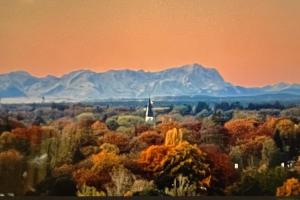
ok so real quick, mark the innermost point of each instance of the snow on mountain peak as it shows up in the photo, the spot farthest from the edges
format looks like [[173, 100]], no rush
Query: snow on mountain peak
[[192, 79]]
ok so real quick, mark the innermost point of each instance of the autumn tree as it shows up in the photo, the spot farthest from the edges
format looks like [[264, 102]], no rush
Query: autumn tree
[[291, 187], [163, 128], [270, 153], [174, 137], [11, 170], [222, 169], [287, 137], [258, 182], [112, 123], [239, 129], [251, 153], [88, 177], [151, 138], [85, 119], [119, 139], [192, 130], [214, 134], [99, 128], [130, 120], [7, 141], [165, 163]]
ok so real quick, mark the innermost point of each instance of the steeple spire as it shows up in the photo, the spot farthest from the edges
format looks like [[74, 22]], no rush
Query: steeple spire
[[149, 112]]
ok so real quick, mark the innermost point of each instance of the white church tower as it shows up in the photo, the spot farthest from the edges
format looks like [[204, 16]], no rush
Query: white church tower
[[149, 118]]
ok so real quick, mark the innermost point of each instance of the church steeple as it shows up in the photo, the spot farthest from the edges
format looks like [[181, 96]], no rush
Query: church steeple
[[149, 112]]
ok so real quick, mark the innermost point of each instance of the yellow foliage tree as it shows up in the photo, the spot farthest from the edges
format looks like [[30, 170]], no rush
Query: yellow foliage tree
[[105, 161], [174, 136], [285, 126], [87, 191]]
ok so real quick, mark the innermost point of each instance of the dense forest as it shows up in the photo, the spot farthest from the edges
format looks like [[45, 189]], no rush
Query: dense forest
[[192, 149]]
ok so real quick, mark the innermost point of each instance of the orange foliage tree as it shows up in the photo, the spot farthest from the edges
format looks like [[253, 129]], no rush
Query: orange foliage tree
[[240, 129], [268, 127], [99, 128], [98, 173], [291, 187], [11, 170], [166, 162]]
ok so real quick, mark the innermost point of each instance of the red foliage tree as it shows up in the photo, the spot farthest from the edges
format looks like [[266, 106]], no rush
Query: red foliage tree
[[222, 169], [90, 178], [151, 138], [33, 134], [119, 139]]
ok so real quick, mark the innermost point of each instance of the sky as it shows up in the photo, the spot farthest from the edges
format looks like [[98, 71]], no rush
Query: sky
[[251, 43]]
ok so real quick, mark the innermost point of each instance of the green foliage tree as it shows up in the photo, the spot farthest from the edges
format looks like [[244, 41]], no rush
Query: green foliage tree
[[201, 106], [258, 182], [112, 123], [182, 109], [271, 155], [130, 120]]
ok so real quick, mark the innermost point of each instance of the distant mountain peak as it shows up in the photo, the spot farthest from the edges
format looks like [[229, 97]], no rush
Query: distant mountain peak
[[189, 80], [19, 72]]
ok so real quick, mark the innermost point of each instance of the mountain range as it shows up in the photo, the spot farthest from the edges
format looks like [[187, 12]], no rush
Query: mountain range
[[188, 80]]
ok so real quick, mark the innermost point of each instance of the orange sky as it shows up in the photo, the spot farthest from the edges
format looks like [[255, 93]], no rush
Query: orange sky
[[251, 43]]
